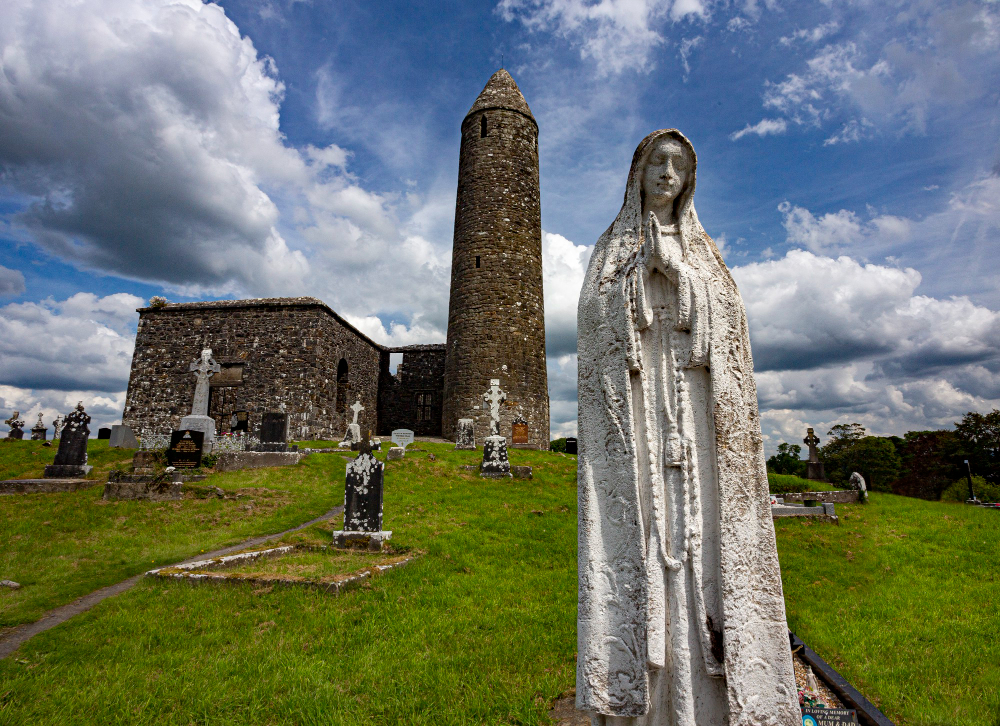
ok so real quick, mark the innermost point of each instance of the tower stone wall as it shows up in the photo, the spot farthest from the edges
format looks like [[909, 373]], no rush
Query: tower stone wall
[[496, 314]]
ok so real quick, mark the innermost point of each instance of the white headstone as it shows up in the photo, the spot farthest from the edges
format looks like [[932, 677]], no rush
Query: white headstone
[[402, 438], [681, 618]]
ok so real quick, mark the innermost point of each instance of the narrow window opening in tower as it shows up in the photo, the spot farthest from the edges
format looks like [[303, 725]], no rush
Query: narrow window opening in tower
[[482, 127], [477, 260]]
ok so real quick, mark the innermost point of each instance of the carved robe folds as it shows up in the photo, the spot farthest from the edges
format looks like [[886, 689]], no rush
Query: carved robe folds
[[681, 615]]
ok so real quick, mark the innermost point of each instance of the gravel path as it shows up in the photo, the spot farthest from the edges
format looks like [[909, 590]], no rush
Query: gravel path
[[11, 640]]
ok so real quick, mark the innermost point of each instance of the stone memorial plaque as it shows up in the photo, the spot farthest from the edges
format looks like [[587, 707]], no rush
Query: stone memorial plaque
[[103, 433], [185, 448], [519, 432], [402, 437], [829, 717], [240, 421], [363, 494], [570, 445]]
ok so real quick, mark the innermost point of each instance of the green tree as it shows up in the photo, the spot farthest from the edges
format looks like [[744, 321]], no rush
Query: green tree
[[930, 463], [787, 461], [848, 450], [980, 437]]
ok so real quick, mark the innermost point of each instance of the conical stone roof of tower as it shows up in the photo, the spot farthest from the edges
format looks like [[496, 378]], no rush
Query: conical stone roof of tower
[[501, 92]]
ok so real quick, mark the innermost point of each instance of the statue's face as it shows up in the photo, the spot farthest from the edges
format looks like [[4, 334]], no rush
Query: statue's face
[[668, 167]]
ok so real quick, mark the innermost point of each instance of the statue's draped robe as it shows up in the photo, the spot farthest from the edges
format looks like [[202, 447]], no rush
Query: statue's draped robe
[[681, 615]]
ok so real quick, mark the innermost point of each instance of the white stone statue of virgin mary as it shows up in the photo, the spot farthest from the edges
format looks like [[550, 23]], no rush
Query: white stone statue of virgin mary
[[681, 616]]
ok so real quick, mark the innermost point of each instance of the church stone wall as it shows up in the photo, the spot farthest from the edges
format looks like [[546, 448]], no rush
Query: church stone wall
[[496, 311], [277, 355], [414, 397]]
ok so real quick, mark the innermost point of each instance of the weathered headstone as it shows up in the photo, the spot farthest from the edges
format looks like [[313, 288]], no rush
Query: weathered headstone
[[57, 425], [495, 462], [363, 503], [402, 438], [103, 434], [199, 420], [857, 483], [353, 435], [273, 431], [395, 453], [186, 446], [814, 467], [570, 445], [71, 458], [16, 424], [38, 431], [240, 421], [465, 434], [680, 617], [122, 437], [143, 462]]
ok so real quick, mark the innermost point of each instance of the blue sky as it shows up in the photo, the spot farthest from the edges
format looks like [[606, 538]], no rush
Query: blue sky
[[849, 169]]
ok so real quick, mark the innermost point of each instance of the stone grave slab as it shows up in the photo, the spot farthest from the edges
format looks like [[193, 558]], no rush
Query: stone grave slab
[[273, 432], [465, 434], [71, 459], [402, 438], [571, 445], [103, 434], [38, 431], [122, 437], [363, 504]]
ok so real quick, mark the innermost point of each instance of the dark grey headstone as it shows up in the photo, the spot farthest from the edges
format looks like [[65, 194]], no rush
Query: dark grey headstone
[[15, 434], [38, 433], [570, 445], [363, 494], [71, 458], [103, 433], [273, 431], [495, 462], [185, 448]]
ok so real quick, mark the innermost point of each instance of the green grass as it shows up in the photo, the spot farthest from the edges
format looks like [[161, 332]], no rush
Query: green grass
[[786, 483], [481, 629], [28, 459], [61, 546], [902, 599]]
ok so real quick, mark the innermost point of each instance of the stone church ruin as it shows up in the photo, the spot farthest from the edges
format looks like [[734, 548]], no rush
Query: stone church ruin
[[299, 357]]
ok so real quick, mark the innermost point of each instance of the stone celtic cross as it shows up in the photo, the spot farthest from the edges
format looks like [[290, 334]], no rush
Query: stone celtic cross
[[493, 398], [811, 440], [357, 408], [204, 368]]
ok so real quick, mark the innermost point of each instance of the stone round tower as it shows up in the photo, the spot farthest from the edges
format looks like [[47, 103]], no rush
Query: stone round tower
[[496, 315]]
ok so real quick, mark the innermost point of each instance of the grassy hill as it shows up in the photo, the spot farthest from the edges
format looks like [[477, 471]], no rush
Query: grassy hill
[[901, 597]]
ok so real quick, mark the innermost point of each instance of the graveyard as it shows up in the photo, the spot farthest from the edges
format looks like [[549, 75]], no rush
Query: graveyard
[[477, 627], [311, 415]]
